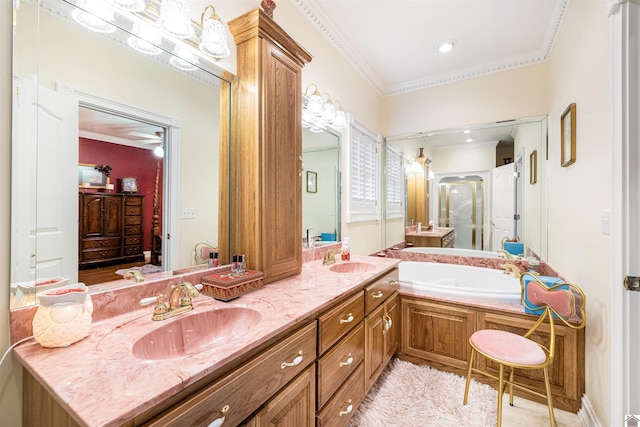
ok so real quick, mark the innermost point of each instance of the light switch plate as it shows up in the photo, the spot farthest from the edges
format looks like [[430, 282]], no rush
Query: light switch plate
[[188, 213]]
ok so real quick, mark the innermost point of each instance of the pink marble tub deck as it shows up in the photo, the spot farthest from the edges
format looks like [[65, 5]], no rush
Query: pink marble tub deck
[[100, 383]]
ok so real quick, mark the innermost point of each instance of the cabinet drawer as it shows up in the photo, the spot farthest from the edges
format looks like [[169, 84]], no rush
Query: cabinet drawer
[[133, 250], [378, 292], [132, 240], [133, 201], [132, 220], [133, 210], [338, 363], [335, 323], [244, 390], [94, 254], [133, 229], [344, 403], [101, 243], [448, 240]]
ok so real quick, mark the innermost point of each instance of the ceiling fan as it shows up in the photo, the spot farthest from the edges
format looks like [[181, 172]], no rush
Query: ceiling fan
[[156, 138]]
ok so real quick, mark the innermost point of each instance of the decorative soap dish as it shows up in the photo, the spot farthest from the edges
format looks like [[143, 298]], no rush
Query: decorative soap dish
[[225, 286]]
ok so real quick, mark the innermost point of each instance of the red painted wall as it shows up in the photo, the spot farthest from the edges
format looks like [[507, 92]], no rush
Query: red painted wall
[[128, 162]]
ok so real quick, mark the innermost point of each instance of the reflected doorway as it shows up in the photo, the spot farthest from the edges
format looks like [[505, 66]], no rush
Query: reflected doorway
[[120, 222], [461, 207]]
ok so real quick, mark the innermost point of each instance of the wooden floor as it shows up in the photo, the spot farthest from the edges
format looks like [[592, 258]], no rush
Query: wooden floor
[[92, 276]]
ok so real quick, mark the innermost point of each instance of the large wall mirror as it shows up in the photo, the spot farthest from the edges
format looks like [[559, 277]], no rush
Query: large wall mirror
[[486, 182], [321, 184], [115, 153]]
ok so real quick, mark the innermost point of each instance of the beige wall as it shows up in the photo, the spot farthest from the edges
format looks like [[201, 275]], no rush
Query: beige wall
[[579, 72]]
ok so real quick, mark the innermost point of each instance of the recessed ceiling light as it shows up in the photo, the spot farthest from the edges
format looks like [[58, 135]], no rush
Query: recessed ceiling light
[[446, 46], [469, 140], [467, 131]]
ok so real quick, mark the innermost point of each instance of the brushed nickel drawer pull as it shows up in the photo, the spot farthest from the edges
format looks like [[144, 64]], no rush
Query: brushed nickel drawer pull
[[377, 295], [348, 409], [295, 362], [219, 421], [347, 362], [349, 319]]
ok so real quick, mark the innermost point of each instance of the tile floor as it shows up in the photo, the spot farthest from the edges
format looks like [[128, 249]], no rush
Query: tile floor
[[525, 413]]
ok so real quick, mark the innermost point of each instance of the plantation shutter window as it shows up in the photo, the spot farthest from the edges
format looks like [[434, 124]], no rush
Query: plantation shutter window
[[395, 183], [364, 174]]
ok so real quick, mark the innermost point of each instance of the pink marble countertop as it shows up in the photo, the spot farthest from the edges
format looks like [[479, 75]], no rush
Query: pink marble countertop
[[101, 383], [435, 232]]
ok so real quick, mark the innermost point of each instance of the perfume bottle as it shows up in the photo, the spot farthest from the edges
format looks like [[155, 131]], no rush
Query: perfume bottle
[[211, 260]]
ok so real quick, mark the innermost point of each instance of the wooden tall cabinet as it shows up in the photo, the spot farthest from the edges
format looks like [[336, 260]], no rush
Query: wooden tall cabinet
[[110, 228], [266, 188]]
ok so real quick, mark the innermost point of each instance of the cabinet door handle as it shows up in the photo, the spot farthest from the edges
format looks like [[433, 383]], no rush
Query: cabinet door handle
[[301, 166], [348, 409], [393, 282], [347, 362], [388, 321], [219, 421], [349, 319], [377, 295], [295, 362]]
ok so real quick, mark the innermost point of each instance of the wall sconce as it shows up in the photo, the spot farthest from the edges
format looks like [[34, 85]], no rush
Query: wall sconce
[[129, 5], [145, 39], [314, 106]]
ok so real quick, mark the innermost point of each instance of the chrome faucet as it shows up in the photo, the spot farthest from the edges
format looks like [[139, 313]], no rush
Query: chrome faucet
[[511, 269], [329, 257], [137, 276], [180, 301]]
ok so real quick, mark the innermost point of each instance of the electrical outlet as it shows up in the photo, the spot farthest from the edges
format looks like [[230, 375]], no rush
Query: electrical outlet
[[188, 213]]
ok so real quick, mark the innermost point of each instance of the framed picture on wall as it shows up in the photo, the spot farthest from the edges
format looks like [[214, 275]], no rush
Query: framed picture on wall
[[312, 182], [568, 136], [129, 185], [90, 177]]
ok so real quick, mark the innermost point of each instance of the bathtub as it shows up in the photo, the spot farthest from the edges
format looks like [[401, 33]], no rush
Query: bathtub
[[459, 281], [454, 251]]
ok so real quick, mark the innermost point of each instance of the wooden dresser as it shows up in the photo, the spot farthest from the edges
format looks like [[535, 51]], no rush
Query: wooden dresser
[[439, 237], [110, 229]]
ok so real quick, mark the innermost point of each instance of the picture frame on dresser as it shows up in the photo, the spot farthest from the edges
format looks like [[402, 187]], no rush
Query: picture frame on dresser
[[129, 184], [568, 136], [90, 177]]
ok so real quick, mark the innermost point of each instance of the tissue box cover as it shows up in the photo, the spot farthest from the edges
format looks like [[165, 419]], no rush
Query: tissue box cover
[[548, 280], [514, 248], [225, 286]]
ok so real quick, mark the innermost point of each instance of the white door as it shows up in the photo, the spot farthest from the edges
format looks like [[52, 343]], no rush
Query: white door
[[503, 204], [53, 236]]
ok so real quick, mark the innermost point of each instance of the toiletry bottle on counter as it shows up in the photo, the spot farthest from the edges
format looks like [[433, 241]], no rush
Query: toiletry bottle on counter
[[216, 262], [345, 250], [242, 266], [234, 264], [211, 260], [419, 227]]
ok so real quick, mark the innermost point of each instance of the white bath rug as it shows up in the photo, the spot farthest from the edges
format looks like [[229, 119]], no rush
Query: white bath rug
[[408, 395]]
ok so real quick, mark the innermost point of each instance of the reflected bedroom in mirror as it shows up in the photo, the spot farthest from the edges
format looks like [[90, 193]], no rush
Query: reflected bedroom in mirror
[[451, 179], [115, 152]]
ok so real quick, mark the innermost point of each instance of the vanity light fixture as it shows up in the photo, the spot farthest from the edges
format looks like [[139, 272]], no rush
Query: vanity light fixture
[[145, 39], [94, 15], [214, 35], [314, 106], [129, 5], [183, 59], [446, 46], [174, 18], [340, 121], [328, 110]]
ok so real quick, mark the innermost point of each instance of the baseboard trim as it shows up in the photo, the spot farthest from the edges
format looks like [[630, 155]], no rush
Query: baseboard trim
[[586, 414]]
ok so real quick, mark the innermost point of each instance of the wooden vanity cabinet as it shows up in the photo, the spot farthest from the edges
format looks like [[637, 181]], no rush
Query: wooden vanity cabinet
[[266, 207], [437, 333], [381, 325]]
